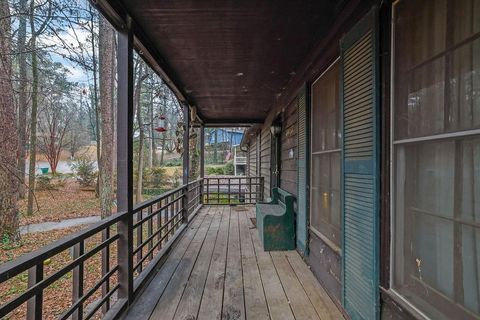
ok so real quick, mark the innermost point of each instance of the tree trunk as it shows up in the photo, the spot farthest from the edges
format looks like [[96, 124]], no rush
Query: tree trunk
[[106, 57], [8, 133], [33, 116], [95, 101], [22, 94], [151, 144], [141, 76]]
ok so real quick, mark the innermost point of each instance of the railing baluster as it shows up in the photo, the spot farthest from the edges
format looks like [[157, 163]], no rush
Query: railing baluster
[[106, 269], [150, 232], [140, 239], [185, 204], [34, 305], [159, 223], [78, 250], [229, 197]]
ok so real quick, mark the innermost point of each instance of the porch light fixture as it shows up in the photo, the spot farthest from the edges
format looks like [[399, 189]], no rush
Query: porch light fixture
[[275, 129]]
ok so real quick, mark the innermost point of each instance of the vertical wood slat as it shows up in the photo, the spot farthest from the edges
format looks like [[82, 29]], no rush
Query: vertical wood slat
[[78, 277], [35, 304]]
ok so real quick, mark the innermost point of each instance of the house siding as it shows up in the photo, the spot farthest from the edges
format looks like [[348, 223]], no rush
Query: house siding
[[289, 149]]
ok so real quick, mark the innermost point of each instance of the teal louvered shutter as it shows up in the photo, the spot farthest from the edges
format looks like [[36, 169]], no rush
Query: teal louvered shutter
[[302, 175], [360, 170]]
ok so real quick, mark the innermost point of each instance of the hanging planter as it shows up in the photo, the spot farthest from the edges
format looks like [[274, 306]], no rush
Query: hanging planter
[[160, 129]]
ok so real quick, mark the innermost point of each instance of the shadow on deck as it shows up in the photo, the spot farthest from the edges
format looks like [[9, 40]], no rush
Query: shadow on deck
[[217, 270]]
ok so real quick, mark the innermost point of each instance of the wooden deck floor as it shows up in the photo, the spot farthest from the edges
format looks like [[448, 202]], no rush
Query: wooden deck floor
[[219, 271]]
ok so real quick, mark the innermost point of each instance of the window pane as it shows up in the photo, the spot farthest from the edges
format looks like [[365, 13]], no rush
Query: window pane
[[436, 90], [437, 182], [325, 111], [325, 182]]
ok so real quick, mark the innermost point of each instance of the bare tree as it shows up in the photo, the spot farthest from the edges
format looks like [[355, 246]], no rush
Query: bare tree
[[22, 93], [36, 32], [106, 63], [8, 133], [53, 125]]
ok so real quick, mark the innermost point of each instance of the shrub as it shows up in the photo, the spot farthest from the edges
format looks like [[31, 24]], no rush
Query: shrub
[[215, 171], [85, 172], [228, 169], [173, 163], [176, 178], [154, 177], [44, 182]]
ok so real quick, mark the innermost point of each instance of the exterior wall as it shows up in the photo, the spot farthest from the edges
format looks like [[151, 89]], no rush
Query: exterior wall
[[326, 262], [289, 149], [252, 158]]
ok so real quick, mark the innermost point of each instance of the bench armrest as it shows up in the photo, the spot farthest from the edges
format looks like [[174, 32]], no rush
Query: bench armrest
[[275, 197]]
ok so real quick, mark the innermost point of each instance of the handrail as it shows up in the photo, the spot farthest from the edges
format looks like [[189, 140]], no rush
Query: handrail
[[154, 225], [158, 227]]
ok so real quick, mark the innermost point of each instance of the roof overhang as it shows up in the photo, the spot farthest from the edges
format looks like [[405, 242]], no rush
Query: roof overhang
[[230, 59]]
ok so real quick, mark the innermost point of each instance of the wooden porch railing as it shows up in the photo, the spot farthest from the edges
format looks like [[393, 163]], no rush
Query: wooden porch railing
[[156, 224], [232, 190]]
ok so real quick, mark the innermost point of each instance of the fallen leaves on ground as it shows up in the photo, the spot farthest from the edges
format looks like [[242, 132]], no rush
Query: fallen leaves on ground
[[55, 205], [57, 298]]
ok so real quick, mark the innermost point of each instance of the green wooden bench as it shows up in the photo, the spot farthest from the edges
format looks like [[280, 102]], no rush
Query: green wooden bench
[[275, 221]]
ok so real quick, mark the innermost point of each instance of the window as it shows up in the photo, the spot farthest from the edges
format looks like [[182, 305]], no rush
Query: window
[[436, 145], [325, 173]]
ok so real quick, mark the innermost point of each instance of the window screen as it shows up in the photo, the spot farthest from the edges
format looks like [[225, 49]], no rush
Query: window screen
[[437, 156], [325, 171]]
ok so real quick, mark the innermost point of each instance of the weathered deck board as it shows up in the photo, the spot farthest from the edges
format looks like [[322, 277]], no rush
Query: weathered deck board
[[211, 306], [146, 303], [325, 307], [219, 271], [233, 297], [278, 305], [299, 301], [255, 303], [192, 295], [167, 305]]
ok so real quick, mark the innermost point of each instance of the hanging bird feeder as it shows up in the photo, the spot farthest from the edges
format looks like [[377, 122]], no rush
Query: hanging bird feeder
[[161, 124]]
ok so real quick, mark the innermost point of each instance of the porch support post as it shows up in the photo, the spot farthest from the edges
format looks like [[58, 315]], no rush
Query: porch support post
[[186, 158], [186, 143], [202, 160], [202, 151], [125, 160]]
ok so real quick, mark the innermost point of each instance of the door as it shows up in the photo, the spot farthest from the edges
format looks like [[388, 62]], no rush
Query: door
[[360, 170], [276, 131]]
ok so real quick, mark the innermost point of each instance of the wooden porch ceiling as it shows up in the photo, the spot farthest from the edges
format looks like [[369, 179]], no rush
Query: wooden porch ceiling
[[232, 58]]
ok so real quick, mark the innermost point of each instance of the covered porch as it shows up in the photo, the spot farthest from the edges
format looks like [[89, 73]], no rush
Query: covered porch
[[218, 270]]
